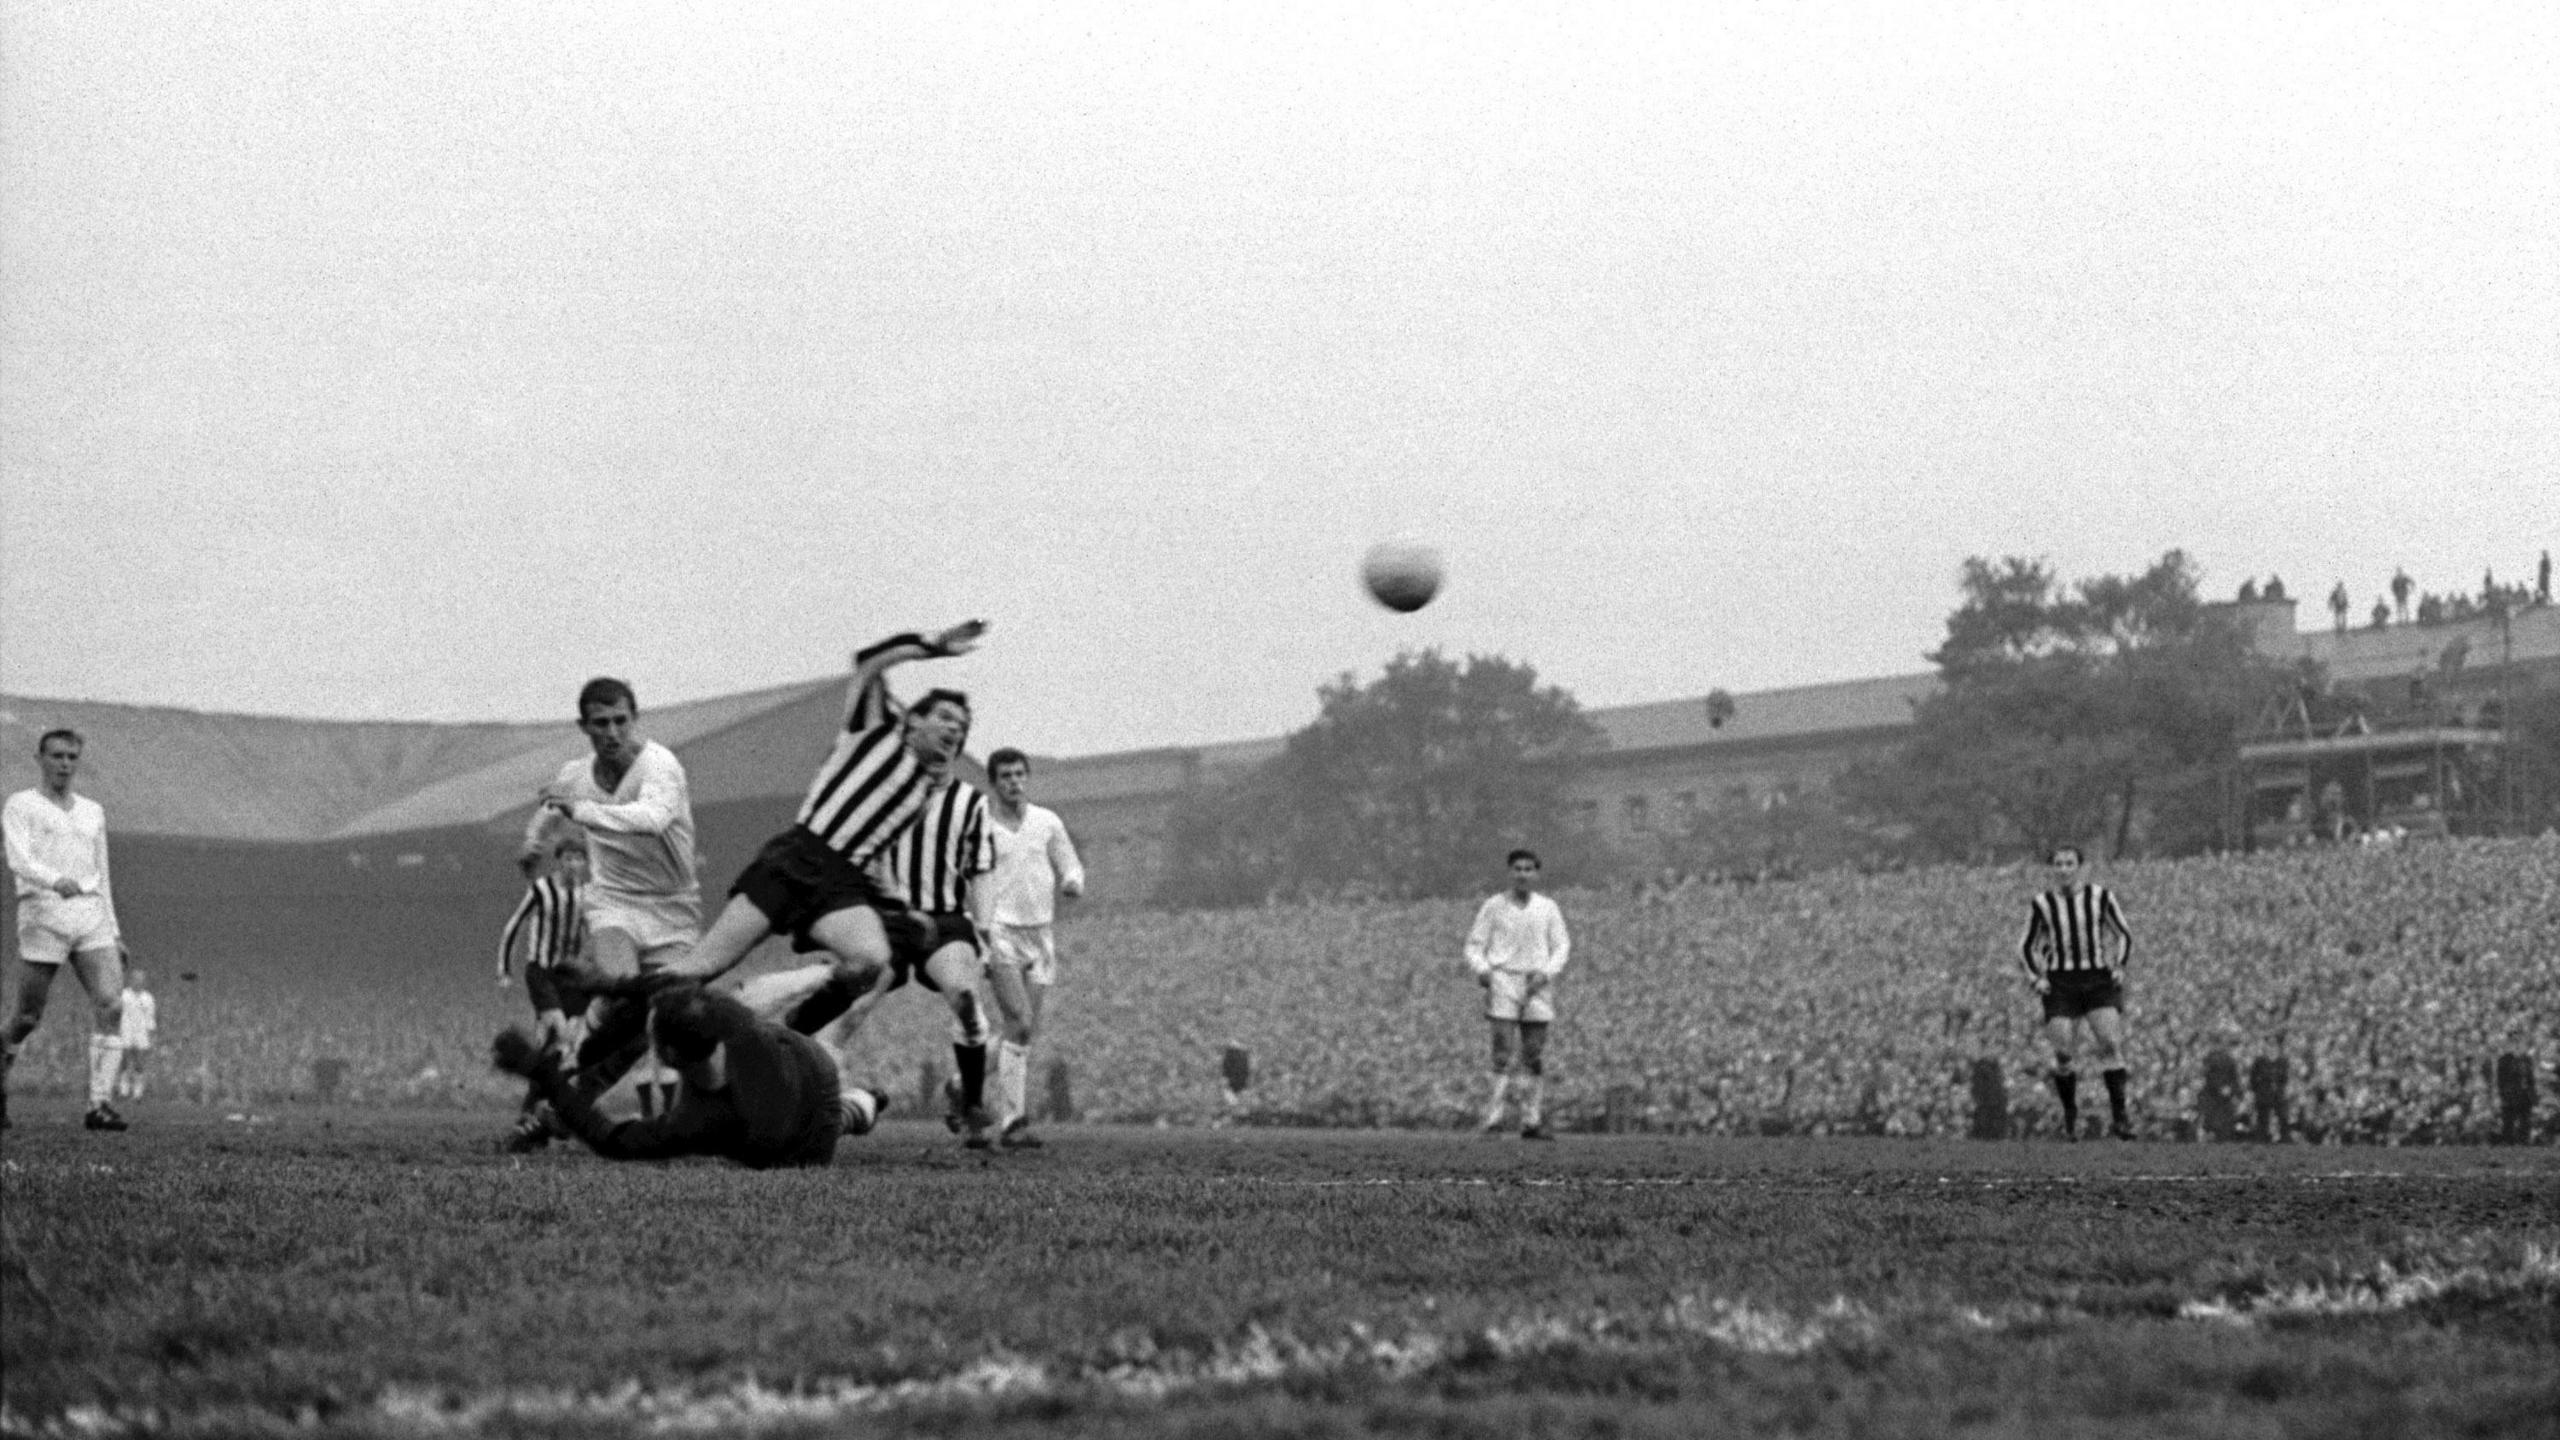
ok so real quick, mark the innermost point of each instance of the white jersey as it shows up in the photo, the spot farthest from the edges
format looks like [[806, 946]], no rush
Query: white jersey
[[639, 836], [1516, 939], [49, 843], [141, 1017], [1033, 860]]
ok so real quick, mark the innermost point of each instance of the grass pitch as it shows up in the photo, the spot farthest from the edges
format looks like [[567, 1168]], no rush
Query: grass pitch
[[368, 1273]]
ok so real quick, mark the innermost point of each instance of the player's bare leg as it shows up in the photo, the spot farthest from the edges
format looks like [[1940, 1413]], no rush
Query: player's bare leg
[[1533, 1064], [1506, 1034], [737, 929], [2063, 1035], [2106, 1031], [101, 973], [1017, 1020], [955, 970], [619, 1037], [858, 942], [35, 983]]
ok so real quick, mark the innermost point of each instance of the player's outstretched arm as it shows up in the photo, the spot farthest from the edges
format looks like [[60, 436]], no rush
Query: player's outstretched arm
[[867, 696]]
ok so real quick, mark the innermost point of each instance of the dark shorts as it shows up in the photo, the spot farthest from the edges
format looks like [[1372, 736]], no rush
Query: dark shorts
[[797, 880], [914, 937], [2074, 993]]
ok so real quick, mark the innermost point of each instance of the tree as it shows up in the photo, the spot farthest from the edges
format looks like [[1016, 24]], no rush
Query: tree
[[2072, 713], [1401, 787], [1794, 829]]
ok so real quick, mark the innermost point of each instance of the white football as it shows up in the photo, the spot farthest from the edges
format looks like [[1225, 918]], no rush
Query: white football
[[1401, 575]]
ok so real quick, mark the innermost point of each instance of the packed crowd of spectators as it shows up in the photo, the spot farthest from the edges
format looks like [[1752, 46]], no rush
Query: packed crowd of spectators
[[2387, 979]]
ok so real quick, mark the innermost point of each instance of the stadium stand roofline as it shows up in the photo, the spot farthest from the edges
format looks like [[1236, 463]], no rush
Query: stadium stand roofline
[[192, 774]]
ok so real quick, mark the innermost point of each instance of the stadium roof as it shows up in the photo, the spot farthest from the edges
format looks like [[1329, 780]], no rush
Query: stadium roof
[[192, 774], [199, 775], [202, 775]]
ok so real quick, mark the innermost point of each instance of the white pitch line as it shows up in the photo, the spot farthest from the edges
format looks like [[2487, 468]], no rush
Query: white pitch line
[[1864, 1185]]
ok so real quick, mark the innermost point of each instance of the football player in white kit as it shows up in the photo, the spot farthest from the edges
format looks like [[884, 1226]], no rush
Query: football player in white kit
[[1036, 865], [1516, 948], [643, 896], [57, 848]]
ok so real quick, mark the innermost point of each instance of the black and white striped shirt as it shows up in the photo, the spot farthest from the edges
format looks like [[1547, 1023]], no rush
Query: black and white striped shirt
[[930, 867], [549, 922], [871, 787], [2067, 930]]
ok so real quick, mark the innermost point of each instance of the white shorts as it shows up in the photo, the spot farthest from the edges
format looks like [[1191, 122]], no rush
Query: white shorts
[[1508, 998], [1028, 948], [53, 929], [654, 922]]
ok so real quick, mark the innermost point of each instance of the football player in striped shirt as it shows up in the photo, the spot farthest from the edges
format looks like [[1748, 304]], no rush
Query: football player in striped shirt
[[934, 870], [549, 930], [2075, 949], [813, 882], [930, 871]]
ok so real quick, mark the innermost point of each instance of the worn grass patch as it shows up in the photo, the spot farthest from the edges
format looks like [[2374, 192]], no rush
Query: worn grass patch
[[364, 1273]]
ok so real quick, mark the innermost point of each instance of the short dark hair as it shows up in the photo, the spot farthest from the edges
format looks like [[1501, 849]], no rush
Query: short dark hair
[[605, 690], [680, 1023], [1007, 756], [61, 733], [1524, 853], [2078, 857], [938, 695]]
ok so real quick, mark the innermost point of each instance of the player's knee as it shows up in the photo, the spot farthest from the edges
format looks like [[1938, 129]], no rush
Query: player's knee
[[968, 1019], [1533, 1050]]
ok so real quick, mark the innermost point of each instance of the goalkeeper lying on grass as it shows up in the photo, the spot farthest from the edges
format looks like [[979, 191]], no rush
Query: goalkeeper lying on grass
[[751, 1090]]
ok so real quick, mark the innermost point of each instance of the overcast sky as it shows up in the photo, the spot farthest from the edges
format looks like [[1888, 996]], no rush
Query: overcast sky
[[418, 361]]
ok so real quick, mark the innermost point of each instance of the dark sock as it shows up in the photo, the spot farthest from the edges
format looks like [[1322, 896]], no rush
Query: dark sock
[[824, 1004], [972, 1060], [2115, 1091], [2066, 1084], [648, 1099], [667, 1096]]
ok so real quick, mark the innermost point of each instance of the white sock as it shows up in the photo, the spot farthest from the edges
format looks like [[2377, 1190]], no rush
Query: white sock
[[1533, 1109], [1493, 1107], [106, 1058], [1013, 1077]]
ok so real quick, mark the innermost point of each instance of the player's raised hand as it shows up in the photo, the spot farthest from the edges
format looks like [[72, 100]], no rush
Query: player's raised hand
[[960, 639]]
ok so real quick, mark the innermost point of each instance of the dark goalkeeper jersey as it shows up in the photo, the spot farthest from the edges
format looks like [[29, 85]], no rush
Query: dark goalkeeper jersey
[[783, 1104]]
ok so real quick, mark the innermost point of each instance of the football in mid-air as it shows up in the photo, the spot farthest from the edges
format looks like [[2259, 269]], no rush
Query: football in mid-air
[[1401, 575]]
